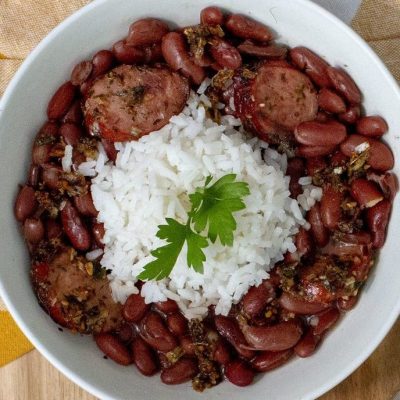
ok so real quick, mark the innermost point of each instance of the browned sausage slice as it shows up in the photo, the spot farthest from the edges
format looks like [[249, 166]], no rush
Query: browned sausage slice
[[283, 97], [74, 294], [132, 101]]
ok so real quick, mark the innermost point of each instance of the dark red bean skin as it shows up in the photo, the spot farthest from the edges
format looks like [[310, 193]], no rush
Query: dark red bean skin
[[377, 220], [167, 307], [53, 229], [373, 126], [304, 243], [125, 333], [347, 304], [187, 345], [143, 357], [110, 150], [239, 373], [351, 115], [85, 206], [154, 333], [182, 371], [315, 164], [299, 305], [326, 134], [177, 324], [329, 101], [33, 175], [331, 211], [221, 354], [344, 84], [102, 62], [295, 169], [230, 331], [61, 101], [226, 55], [307, 344], [98, 234], [262, 51], [74, 228], [246, 28], [318, 229], [81, 72], [211, 16], [366, 193], [74, 114], [145, 32], [128, 54], [314, 151], [135, 308], [269, 360], [256, 299], [71, 133], [113, 348], [33, 230], [325, 320], [25, 203]]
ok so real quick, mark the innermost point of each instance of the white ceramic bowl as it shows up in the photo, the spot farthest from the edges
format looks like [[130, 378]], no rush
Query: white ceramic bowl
[[22, 111]]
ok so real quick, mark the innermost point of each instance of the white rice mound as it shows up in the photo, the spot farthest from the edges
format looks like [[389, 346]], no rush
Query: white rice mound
[[151, 180]]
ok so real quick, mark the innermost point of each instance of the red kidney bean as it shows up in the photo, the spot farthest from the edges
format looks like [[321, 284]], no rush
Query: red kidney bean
[[307, 344], [113, 348], [182, 371], [281, 336], [314, 151], [125, 333], [177, 57], [155, 334], [128, 54], [25, 203], [331, 210], [145, 32], [211, 16], [246, 28], [71, 133], [153, 53], [33, 175], [314, 165], [269, 360], [221, 354], [81, 72], [98, 234], [318, 230], [377, 220], [61, 101], [226, 55], [303, 243], [41, 154], [347, 304], [373, 126], [295, 169], [262, 51], [53, 229], [85, 206], [177, 324], [326, 134], [314, 66], [74, 228], [239, 373], [366, 193], [257, 298], [230, 331], [387, 182], [74, 114], [344, 84], [102, 62], [338, 159], [322, 116], [187, 345], [324, 320], [298, 305], [51, 176], [85, 89], [110, 149], [329, 101], [33, 230], [380, 156], [351, 115], [134, 308], [143, 357], [167, 307]]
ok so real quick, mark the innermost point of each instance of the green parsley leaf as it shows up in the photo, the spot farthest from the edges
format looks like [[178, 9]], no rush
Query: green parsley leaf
[[214, 205], [175, 234]]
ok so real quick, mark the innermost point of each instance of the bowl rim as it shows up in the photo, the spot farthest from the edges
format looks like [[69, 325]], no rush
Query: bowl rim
[[41, 347]]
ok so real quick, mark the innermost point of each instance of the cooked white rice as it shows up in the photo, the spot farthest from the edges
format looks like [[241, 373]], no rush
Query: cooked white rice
[[151, 180]]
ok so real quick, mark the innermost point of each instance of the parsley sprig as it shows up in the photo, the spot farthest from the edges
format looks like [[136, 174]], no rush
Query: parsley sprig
[[210, 218]]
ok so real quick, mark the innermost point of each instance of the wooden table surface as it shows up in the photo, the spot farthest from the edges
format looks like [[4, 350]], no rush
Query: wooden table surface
[[33, 378]]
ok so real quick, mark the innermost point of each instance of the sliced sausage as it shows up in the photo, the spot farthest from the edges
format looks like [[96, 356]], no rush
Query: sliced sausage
[[74, 295], [132, 101]]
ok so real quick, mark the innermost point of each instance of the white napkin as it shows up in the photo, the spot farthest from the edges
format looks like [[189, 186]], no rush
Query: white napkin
[[344, 9]]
